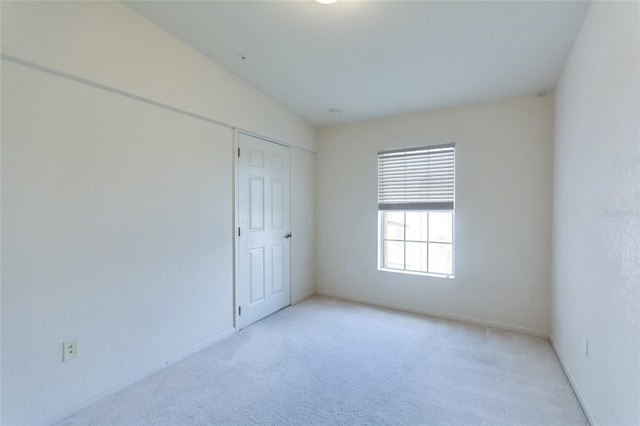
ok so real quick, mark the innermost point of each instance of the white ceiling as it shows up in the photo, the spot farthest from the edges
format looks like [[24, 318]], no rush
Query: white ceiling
[[379, 58]]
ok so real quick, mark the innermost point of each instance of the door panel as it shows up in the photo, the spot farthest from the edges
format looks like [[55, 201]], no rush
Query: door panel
[[263, 274], [256, 262], [277, 268], [256, 203], [277, 204]]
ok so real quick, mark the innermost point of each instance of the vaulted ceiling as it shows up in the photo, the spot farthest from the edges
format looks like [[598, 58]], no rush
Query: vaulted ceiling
[[379, 58]]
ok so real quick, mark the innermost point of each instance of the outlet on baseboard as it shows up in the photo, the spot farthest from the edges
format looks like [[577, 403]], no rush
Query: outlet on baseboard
[[348, 270]]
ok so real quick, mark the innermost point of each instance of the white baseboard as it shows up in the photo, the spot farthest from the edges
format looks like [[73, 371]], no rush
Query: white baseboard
[[303, 297], [66, 412], [572, 381], [438, 314]]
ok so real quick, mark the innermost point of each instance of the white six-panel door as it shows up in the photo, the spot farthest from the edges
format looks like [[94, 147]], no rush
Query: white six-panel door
[[264, 264]]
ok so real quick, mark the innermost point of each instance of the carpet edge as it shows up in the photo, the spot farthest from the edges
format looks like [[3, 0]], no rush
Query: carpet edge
[[437, 314], [572, 382]]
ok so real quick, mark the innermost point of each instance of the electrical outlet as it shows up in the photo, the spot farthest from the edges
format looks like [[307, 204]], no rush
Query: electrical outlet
[[69, 349], [348, 270]]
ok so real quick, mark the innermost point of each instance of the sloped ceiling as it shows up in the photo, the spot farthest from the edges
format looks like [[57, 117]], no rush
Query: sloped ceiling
[[379, 58]]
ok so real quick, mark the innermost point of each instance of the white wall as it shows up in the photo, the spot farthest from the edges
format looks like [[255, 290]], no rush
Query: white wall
[[596, 217], [502, 222], [118, 220], [117, 215], [108, 43], [0, 234], [302, 224]]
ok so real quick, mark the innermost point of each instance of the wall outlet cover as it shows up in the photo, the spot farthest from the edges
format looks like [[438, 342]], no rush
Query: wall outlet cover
[[69, 349]]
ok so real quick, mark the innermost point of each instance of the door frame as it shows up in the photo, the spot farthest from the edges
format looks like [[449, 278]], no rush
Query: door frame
[[236, 213]]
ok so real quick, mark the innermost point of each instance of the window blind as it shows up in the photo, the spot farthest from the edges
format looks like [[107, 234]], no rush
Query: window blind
[[417, 178]]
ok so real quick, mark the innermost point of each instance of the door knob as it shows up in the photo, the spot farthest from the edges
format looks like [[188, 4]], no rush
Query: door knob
[[287, 235]]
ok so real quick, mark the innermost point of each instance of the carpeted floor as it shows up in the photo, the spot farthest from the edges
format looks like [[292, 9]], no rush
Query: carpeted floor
[[326, 361]]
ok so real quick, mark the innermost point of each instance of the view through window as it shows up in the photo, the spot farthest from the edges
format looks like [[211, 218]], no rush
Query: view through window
[[419, 241]]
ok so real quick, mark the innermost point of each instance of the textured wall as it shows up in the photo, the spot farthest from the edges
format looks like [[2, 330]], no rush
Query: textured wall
[[596, 219], [502, 213]]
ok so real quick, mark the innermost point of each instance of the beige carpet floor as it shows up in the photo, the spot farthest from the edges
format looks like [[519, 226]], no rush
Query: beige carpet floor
[[331, 362]]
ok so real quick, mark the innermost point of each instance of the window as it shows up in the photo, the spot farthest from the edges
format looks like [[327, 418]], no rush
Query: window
[[415, 207]]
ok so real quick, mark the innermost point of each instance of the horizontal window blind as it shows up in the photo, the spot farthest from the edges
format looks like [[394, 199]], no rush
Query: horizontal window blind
[[417, 178]]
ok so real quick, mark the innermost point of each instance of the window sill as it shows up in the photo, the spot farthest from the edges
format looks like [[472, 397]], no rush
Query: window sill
[[423, 274]]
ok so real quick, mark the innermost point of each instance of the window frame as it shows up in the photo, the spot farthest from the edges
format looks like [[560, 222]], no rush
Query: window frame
[[382, 239], [446, 204]]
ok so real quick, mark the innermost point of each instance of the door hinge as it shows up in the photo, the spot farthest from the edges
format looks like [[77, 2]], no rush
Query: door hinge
[[239, 310], [238, 231], [238, 152]]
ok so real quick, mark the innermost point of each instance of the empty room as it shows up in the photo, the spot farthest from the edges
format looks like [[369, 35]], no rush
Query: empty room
[[320, 212]]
